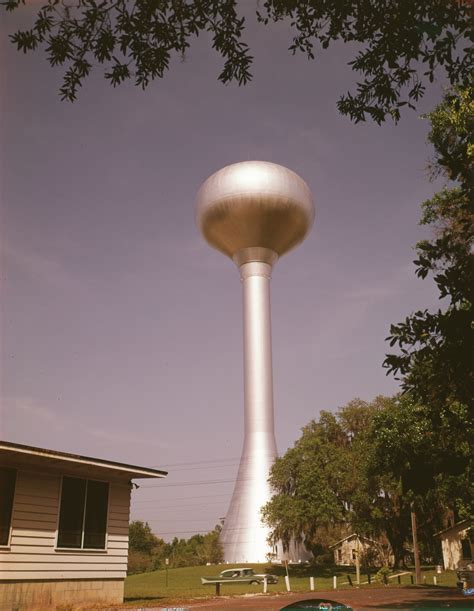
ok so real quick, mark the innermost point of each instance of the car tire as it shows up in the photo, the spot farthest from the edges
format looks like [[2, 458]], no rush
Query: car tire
[[254, 583]]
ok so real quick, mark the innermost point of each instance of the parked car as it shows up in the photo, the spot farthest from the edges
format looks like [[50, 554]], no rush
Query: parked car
[[241, 575]]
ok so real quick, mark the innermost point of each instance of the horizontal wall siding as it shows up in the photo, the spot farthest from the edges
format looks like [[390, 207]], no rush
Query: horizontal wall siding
[[32, 553], [64, 567], [31, 537], [33, 548], [40, 574]]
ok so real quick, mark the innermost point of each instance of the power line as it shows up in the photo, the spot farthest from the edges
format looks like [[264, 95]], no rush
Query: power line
[[195, 483], [188, 505], [180, 498], [251, 528], [194, 462], [200, 482], [176, 521], [233, 460], [193, 532], [233, 465]]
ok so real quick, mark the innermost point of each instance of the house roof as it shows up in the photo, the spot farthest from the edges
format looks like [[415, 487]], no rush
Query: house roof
[[463, 525], [15, 454], [354, 535]]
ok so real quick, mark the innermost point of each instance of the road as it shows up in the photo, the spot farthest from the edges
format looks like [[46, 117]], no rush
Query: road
[[423, 597]]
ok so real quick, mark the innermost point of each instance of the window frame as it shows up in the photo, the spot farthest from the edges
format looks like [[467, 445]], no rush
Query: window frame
[[7, 545], [228, 573], [82, 549]]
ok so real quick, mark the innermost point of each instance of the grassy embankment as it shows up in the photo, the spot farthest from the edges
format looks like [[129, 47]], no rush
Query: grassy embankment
[[185, 583]]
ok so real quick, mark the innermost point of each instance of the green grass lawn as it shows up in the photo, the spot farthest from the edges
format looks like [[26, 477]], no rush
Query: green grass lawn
[[185, 583]]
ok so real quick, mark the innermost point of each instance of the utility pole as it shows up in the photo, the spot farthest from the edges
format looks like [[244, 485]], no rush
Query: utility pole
[[357, 561], [416, 550]]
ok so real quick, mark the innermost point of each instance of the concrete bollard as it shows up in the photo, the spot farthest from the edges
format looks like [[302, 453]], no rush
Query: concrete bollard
[[334, 582], [435, 581], [265, 585], [311, 584], [287, 581]]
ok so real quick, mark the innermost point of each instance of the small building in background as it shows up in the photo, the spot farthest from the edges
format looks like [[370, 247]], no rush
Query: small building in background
[[456, 545], [63, 527], [346, 550]]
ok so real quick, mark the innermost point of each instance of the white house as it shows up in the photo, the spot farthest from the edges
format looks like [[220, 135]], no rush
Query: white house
[[63, 527], [348, 549], [457, 547]]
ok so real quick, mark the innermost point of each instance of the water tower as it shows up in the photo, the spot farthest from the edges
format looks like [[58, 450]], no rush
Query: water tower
[[254, 212]]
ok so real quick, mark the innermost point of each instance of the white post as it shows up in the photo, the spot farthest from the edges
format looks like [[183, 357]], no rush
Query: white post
[[287, 582], [434, 580], [265, 585], [334, 582], [311, 584]]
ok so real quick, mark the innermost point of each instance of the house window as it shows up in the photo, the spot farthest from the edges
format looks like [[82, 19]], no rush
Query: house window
[[466, 549], [354, 554], [7, 492], [83, 513]]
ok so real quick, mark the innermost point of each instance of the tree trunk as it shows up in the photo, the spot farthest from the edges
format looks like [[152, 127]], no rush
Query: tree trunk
[[397, 537]]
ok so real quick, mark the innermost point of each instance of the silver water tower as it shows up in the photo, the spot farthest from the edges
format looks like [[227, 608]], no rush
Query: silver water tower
[[254, 212]]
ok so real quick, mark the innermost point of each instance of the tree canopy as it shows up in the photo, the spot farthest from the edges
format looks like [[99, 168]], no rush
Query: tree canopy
[[356, 471], [141, 537], [367, 466], [197, 550], [145, 548], [324, 489], [434, 358], [397, 46], [147, 552]]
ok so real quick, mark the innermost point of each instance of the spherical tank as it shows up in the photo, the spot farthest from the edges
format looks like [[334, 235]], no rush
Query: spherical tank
[[254, 205]]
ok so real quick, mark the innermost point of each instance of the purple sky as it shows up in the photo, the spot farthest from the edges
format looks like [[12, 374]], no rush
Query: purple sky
[[121, 330]]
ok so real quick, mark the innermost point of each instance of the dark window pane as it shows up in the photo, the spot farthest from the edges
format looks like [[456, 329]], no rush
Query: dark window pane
[[72, 512], [96, 514], [7, 492], [466, 549]]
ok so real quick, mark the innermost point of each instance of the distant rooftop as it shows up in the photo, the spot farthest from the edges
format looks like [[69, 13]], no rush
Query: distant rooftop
[[352, 536], [30, 455]]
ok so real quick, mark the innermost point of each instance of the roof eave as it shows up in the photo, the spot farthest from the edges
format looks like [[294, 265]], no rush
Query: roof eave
[[132, 471]]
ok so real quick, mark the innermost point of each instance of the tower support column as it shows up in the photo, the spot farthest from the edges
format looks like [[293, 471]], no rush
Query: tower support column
[[244, 536]]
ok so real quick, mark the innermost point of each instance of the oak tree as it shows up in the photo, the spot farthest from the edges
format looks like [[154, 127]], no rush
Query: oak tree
[[323, 488], [398, 45], [432, 444]]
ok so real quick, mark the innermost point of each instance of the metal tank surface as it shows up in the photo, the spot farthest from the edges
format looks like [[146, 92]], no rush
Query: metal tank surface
[[254, 212]]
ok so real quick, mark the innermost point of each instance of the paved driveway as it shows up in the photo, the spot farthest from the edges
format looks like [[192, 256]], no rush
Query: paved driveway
[[423, 597]]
